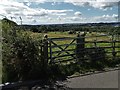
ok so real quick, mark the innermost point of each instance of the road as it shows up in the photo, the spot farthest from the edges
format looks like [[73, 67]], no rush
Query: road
[[100, 80]]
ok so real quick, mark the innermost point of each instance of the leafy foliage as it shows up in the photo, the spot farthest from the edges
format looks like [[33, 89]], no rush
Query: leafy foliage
[[22, 55]]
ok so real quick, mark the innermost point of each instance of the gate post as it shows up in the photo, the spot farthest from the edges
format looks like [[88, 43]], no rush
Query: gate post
[[80, 41], [45, 51]]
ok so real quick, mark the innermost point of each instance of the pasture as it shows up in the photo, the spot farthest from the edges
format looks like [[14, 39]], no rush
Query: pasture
[[64, 52], [92, 40]]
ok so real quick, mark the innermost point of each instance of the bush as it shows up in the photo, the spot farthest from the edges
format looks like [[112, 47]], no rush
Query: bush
[[22, 56], [71, 32], [97, 57]]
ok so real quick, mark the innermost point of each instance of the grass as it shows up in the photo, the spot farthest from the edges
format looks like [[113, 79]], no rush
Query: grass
[[65, 34]]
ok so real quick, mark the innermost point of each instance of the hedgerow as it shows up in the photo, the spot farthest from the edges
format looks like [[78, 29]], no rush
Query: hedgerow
[[22, 56]]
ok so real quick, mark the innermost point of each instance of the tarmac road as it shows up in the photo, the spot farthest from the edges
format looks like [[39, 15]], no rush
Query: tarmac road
[[100, 80]]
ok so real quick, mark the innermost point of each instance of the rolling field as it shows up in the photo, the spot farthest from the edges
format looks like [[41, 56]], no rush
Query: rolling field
[[89, 37]]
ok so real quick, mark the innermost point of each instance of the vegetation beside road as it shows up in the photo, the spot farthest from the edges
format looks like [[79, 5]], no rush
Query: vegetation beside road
[[23, 56]]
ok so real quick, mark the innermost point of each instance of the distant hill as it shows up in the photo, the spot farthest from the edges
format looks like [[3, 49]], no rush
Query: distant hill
[[76, 24]]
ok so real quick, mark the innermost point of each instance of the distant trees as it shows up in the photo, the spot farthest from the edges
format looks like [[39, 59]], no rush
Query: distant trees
[[71, 32], [34, 29], [39, 29], [43, 28]]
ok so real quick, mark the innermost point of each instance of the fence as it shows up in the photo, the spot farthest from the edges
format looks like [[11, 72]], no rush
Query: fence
[[80, 48]]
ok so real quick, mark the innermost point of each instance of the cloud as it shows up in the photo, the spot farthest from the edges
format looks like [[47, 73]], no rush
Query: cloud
[[95, 19], [28, 4], [104, 18], [29, 17], [54, 3], [49, 18], [34, 21], [35, 13], [39, 1], [75, 19], [115, 16], [59, 18], [100, 4], [59, 11], [78, 14], [14, 8]]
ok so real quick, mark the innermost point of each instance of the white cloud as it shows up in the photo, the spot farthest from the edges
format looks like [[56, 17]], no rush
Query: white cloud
[[60, 14], [28, 4], [77, 2], [75, 19], [115, 16], [100, 4], [49, 18], [59, 11], [78, 14], [12, 8], [16, 8], [54, 3], [34, 21], [29, 17], [33, 12], [95, 19], [59, 18], [39, 1], [104, 18]]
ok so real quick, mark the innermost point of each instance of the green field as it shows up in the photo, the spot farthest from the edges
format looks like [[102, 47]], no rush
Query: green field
[[89, 37]]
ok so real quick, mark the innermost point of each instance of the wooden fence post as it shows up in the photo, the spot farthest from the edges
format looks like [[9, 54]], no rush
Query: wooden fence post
[[45, 51], [113, 46], [80, 46]]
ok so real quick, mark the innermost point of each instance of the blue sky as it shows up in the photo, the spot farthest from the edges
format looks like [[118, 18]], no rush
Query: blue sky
[[64, 11]]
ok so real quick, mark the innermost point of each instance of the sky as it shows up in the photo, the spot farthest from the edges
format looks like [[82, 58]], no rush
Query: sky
[[37, 12]]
